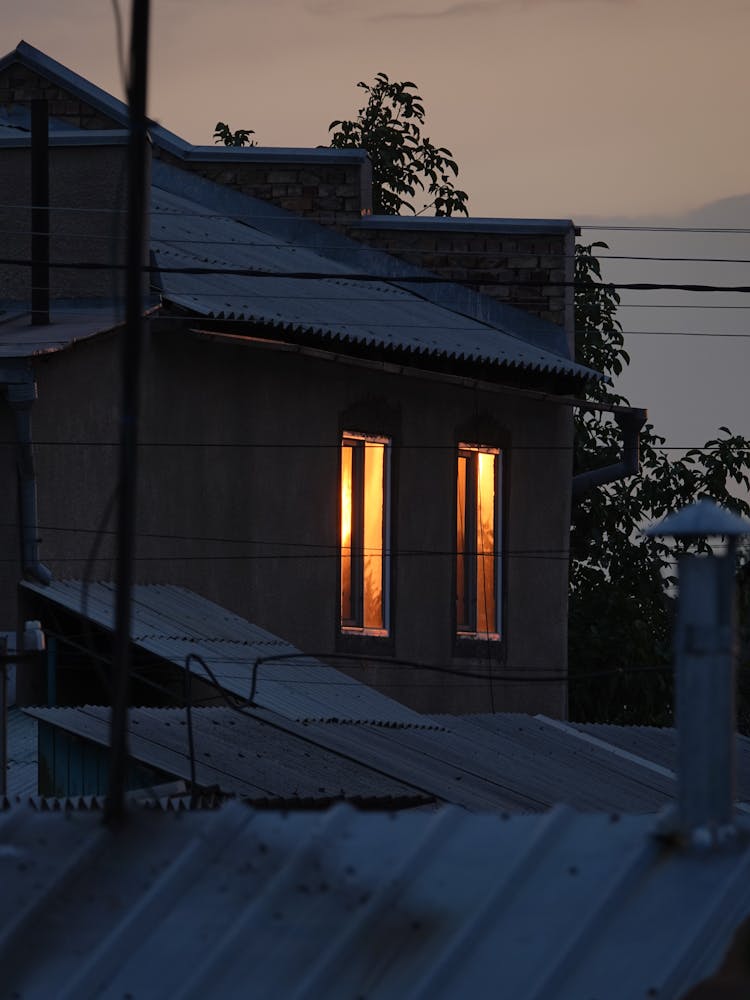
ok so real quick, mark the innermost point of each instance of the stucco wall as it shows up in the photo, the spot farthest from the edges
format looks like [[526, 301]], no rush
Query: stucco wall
[[239, 473]]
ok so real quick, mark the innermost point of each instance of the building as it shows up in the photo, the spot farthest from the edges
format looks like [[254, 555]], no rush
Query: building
[[372, 462]]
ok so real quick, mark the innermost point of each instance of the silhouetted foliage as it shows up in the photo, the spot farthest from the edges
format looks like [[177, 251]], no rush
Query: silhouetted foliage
[[241, 137], [621, 582], [389, 127]]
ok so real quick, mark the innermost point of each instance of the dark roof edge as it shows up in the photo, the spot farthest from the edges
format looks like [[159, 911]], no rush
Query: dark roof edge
[[478, 224], [77, 137]]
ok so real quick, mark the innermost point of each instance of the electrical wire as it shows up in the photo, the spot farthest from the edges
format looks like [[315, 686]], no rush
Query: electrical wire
[[399, 252], [369, 278]]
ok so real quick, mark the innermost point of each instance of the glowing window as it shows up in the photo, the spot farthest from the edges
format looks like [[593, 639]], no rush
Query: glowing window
[[478, 542], [365, 512]]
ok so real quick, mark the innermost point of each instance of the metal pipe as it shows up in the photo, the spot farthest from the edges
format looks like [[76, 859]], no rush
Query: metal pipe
[[3, 719], [630, 421], [39, 213], [705, 674], [21, 396]]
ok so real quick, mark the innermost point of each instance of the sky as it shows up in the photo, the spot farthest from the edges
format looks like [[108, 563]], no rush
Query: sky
[[609, 112]]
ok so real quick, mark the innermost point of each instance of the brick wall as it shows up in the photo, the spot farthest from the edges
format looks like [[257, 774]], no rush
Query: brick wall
[[519, 269], [19, 85], [329, 192]]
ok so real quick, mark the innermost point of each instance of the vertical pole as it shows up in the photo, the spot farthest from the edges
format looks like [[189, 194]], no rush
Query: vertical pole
[[39, 213], [52, 671], [3, 719], [705, 684], [114, 813]]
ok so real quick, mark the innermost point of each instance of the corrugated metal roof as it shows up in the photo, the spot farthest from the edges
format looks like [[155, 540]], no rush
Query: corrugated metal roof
[[513, 763], [255, 758], [172, 622], [339, 309], [349, 904], [19, 339], [22, 753], [516, 762], [442, 321]]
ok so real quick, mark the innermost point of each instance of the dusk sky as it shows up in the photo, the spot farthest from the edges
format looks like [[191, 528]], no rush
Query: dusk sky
[[609, 111]]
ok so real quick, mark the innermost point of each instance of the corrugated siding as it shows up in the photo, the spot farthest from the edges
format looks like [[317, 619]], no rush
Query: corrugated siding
[[172, 622], [348, 904]]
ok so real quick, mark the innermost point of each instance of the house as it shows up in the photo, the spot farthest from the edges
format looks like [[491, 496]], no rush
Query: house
[[348, 450]]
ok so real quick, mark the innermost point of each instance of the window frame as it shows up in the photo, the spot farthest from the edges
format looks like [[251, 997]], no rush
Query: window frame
[[466, 622], [354, 625]]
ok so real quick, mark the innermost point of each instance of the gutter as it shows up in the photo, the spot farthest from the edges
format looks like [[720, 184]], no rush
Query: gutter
[[21, 396], [630, 420]]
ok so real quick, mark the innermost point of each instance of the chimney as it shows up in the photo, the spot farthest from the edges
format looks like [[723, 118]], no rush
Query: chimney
[[704, 652]]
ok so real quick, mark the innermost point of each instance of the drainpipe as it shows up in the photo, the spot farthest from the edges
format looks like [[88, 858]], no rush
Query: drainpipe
[[21, 395], [705, 644], [630, 421]]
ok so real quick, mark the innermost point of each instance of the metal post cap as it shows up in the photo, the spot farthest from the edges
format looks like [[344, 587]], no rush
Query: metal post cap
[[705, 517]]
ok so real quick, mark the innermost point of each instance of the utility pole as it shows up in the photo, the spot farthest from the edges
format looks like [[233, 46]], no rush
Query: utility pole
[[114, 812], [3, 718]]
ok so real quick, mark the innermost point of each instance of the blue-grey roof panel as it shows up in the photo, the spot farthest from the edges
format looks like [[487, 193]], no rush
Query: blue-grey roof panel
[[335, 306], [345, 904], [241, 754], [21, 734], [172, 622]]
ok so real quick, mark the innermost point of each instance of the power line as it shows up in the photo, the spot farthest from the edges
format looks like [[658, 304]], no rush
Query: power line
[[394, 445], [371, 223], [322, 249], [368, 278], [668, 229]]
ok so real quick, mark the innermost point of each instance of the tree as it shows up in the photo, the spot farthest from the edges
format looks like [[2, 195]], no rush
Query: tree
[[224, 134], [389, 127], [621, 583]]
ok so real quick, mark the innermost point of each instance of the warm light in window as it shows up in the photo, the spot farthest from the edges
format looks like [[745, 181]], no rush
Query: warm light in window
[[346, 531], [485, 542], [477, 558], [364, 549]]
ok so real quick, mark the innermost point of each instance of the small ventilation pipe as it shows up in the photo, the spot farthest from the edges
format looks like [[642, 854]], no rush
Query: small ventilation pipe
[[630, 420], [705, 648], [21, 396]]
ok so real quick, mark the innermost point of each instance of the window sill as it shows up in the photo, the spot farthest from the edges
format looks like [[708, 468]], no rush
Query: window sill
[[363, 642], [471, 645]]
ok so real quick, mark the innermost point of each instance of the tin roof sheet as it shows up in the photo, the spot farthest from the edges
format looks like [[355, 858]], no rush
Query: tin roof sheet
[[241, 754], [22, 753], [172, 622], [513, 763], [19, 339], [336, 307], [346, 904]]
